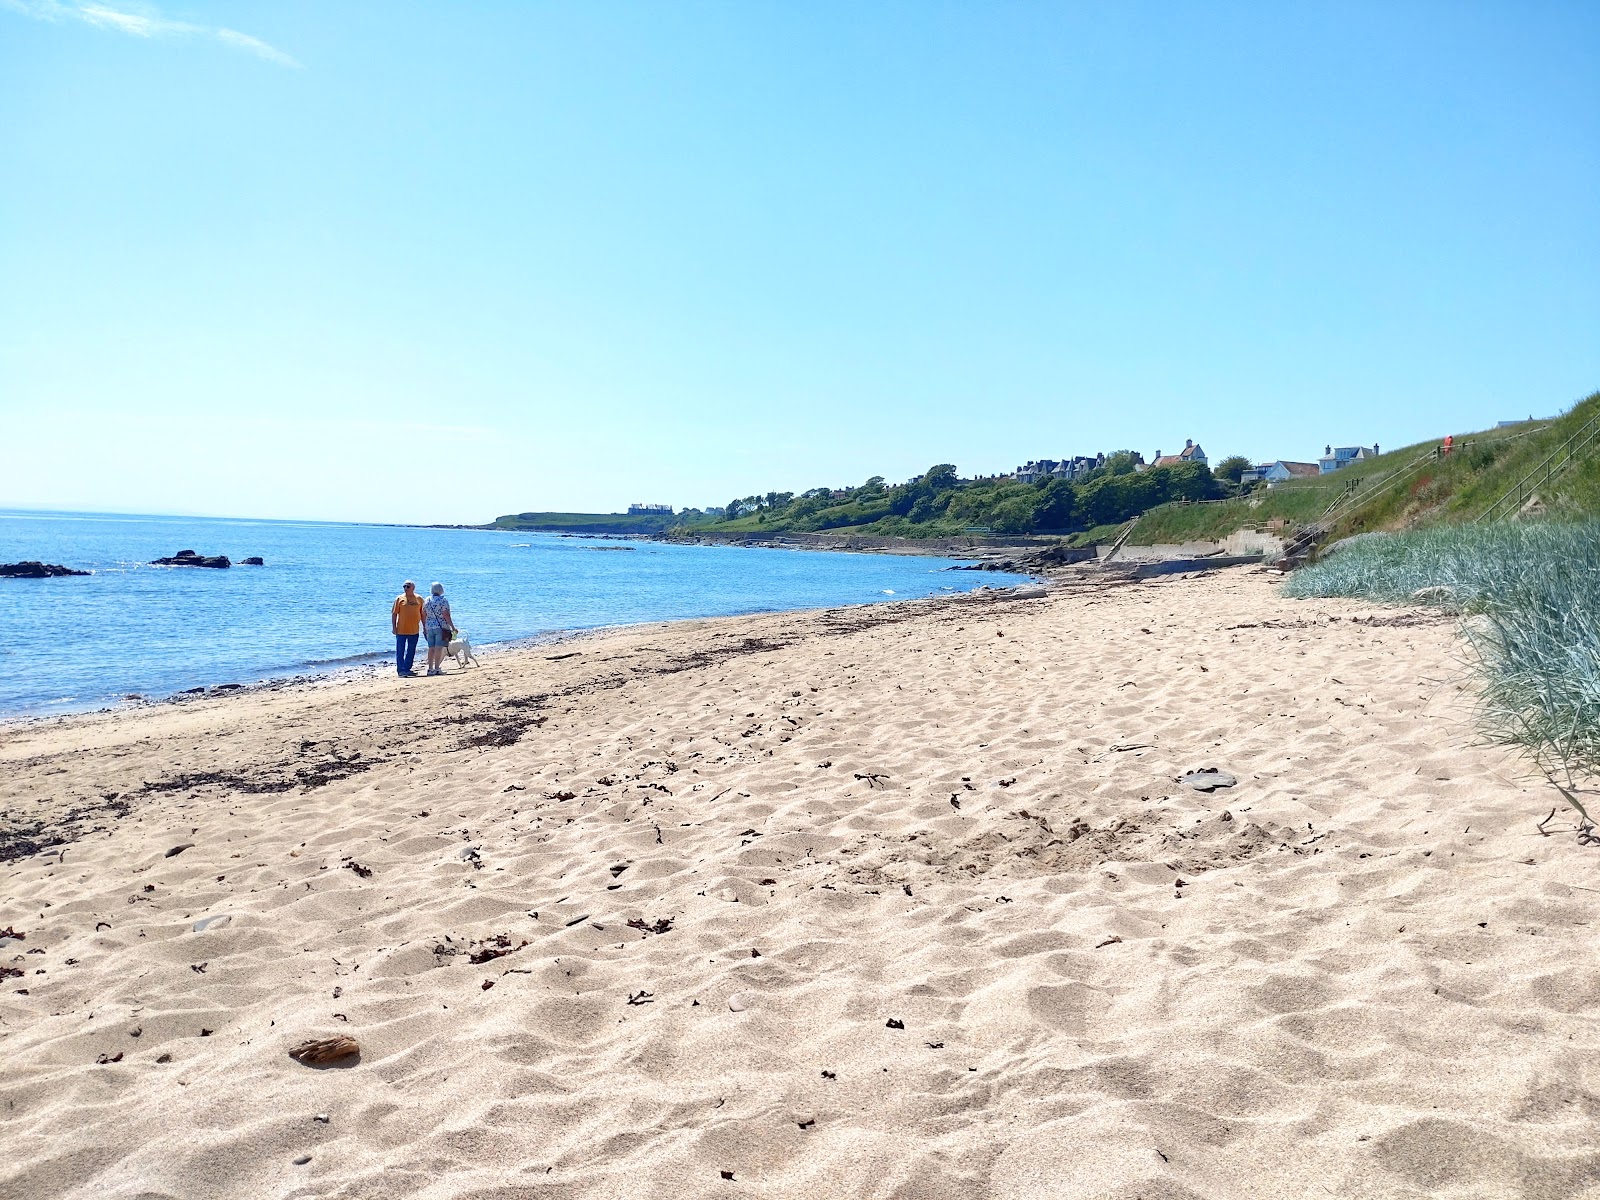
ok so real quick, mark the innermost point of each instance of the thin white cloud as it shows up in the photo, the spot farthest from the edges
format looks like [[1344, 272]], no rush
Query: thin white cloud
[[137, 24], [256, 46], [145, 22]]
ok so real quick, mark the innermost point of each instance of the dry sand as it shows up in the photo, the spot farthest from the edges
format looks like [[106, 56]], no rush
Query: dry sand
[[925, 914]]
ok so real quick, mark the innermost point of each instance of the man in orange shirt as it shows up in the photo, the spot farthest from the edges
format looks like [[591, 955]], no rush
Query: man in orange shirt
[[406, 618]]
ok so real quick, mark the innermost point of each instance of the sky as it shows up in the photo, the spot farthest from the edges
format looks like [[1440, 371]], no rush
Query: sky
[[418, 262]]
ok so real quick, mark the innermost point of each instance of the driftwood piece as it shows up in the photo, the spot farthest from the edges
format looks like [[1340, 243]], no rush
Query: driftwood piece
[[327, 1050]]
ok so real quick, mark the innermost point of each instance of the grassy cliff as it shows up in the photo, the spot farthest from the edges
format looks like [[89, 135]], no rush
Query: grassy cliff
[[1411, 487]]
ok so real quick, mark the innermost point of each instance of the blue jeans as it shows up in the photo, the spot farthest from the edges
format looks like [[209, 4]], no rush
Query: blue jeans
[[405, 652]]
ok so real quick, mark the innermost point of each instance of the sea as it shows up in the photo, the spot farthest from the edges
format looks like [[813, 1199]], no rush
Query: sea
[[320, 604]]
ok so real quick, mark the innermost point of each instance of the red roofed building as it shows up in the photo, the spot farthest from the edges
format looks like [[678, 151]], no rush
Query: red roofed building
[[1191, 452]]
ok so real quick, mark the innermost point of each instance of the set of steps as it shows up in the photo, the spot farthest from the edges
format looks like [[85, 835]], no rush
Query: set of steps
[[1121, 538], [1298, 548]]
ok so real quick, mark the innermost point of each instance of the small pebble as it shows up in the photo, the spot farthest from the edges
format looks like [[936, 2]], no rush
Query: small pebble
[[736, 1002], [302, 1160], [321, 1118]]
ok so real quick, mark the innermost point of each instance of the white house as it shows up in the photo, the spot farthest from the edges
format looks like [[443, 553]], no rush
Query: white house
[[1335, 458], [1277, 472]]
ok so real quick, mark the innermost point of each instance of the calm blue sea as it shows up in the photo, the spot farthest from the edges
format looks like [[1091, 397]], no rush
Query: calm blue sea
[[322, 600]]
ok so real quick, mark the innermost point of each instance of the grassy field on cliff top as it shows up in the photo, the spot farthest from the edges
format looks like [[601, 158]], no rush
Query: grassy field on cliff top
[[1404, 488]]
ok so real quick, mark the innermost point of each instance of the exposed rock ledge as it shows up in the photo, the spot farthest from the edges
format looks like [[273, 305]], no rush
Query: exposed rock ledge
[[35, 570], [188, 558]]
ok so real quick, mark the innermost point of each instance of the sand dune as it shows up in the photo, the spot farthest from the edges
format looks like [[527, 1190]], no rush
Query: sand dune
[[892, 902]]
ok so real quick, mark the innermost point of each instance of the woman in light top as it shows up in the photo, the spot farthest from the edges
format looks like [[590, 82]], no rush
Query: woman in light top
[[438, 627]]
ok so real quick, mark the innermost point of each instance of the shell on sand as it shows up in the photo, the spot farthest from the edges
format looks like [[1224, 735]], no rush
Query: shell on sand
[[328, 1050]]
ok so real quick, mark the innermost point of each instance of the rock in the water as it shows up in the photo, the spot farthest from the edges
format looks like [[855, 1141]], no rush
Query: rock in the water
[[35, 570], [1208, 779], [188, 558], [255, 560]]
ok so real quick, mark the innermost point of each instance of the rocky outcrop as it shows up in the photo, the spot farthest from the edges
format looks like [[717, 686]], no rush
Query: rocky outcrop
[[188, 558], [1031, 561], [35, 570], [252, 561]]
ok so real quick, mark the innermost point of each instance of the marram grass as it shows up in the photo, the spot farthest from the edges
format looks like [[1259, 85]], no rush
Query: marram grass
[[1531, 592]]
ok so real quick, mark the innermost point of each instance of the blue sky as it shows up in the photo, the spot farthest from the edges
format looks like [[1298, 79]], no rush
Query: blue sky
[[420, 262]]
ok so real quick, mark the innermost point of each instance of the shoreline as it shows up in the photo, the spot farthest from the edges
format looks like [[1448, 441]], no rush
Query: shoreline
[[906, 898], [379, 664], [356, 665], [355, 669]]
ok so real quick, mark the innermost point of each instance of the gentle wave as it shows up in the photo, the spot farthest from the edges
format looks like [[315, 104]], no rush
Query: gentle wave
[[323, 602], [370, 656]]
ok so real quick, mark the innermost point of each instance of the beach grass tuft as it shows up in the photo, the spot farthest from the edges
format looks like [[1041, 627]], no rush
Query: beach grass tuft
[[1530, 593]]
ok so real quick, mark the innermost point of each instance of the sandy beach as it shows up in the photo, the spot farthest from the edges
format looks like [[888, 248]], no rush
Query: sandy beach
[[899, 901]]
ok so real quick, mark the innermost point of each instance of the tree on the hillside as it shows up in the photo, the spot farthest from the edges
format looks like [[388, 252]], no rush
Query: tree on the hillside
[[1013, 515], [1185, 481], [936, 480], [1232, 467], [1057, 505], [1122, 462], [1114, 498]]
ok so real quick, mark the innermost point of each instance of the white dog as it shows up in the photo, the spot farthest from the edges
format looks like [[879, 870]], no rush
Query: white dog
[[460, 649]]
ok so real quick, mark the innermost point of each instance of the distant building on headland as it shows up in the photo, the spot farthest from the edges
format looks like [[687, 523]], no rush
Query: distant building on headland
[[1278, 471], [1059, 468], [1334, 458], [649, 510], [1191, 452]]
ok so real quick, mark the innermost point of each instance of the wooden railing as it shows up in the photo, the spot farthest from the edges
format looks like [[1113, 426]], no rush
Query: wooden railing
[[1352, 495], [1562, 457]]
